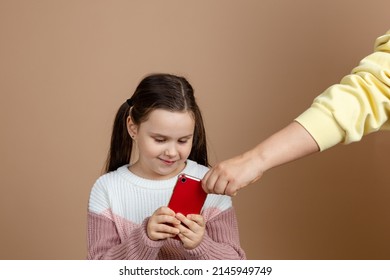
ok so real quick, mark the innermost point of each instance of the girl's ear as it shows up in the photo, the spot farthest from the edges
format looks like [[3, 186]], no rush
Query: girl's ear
[[131, 128]]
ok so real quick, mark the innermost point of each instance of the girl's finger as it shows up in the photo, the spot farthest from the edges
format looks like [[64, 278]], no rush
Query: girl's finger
[[197, 219], [164, 228]]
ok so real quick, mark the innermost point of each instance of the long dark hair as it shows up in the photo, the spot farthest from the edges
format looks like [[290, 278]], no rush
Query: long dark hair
[[156, 91]]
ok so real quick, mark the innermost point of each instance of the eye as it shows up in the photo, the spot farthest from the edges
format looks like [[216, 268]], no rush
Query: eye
[[159, 140], [183, 141]]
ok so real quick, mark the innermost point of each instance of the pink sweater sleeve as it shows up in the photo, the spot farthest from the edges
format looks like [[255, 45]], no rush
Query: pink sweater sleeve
[[104, 241], [221, 241]]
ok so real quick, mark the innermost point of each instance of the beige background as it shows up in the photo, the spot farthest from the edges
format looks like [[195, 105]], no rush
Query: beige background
[[66, 66]]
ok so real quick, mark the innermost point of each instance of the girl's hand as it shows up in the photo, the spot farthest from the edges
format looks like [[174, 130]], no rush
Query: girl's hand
[[161, 224], [192, 229]]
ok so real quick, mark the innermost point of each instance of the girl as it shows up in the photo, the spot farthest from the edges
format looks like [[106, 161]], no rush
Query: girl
[[127, 216]]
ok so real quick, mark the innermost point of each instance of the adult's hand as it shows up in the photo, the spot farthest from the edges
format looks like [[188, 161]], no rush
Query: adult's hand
[[229, 176]]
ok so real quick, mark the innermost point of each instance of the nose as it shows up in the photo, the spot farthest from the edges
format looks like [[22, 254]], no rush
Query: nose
[[171, 150]]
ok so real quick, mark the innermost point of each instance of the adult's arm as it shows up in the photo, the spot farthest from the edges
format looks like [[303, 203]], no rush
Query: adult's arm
[[344, 113], [288, 144]]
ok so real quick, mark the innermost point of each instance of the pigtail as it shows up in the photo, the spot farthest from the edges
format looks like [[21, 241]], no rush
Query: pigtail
[[121, 142], [199, 145]]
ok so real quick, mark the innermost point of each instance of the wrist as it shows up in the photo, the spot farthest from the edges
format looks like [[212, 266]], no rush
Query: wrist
[[258, 158]]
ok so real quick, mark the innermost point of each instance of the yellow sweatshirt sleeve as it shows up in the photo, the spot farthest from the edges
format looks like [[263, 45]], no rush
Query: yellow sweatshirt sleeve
[[358, 105]]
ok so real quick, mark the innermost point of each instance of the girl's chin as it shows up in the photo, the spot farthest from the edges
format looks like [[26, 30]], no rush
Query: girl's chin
[[171, 170]]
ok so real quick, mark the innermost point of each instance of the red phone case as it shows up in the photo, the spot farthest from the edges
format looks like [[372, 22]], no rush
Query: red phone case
[[188, 195]]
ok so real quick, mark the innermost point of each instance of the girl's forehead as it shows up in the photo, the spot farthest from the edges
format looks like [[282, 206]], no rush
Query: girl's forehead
[[166, 122], [166, 114]]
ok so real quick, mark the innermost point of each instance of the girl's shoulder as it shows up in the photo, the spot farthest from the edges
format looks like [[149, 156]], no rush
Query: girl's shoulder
[[194, 169], [109, 178], [109, 175]]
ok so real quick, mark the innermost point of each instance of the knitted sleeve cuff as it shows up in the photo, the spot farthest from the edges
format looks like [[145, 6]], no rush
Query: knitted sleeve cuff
[[322, 127]]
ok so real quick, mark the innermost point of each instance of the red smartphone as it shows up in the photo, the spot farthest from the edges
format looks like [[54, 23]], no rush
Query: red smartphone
[[188, 195]]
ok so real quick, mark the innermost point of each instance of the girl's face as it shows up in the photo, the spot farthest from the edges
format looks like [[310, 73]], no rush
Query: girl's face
[[164, 143]]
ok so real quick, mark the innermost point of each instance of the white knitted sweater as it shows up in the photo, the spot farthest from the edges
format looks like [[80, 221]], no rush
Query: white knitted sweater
[[121, 203]]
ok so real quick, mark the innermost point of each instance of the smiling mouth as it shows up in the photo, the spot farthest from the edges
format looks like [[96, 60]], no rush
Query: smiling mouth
[[168, 161]]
